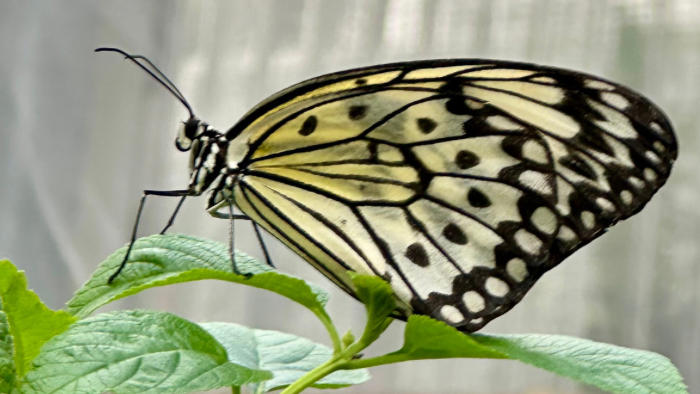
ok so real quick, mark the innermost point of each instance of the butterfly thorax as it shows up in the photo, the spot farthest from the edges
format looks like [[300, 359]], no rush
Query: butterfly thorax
[[208, 149]]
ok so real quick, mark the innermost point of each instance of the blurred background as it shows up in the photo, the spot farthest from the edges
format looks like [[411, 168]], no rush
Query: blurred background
[[83, 134]]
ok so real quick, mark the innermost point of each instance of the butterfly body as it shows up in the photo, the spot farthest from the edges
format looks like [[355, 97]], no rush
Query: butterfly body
[[460, 182]]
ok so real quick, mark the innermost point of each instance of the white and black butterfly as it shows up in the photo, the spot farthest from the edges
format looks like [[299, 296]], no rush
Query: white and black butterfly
[[459, 182]]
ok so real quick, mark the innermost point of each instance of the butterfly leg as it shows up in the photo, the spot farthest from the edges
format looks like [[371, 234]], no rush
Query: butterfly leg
[[232, 240], [258, 233], [146, 193], [268, 260], [172, 217]]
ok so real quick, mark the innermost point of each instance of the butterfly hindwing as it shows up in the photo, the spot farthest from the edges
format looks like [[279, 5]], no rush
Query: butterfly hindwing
[[460, 182]]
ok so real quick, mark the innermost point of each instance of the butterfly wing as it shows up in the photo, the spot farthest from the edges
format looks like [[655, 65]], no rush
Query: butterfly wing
[[460, 182]]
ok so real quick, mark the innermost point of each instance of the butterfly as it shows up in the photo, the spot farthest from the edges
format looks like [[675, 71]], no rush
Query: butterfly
[[459, 182]]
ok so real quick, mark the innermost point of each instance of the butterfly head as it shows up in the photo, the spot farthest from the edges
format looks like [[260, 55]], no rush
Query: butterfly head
[[188, 132], [207, 153], [207, 146]]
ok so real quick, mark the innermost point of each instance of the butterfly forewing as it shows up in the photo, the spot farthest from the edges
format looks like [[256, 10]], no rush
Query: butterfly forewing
[[459, 182]]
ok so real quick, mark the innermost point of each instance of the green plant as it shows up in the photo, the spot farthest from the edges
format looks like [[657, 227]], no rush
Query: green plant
[[44, 351]]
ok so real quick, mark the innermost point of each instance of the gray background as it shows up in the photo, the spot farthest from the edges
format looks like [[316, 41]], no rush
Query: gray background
[[84, 133]]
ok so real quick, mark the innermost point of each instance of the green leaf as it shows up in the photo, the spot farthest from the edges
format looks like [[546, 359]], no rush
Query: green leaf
[[134, 352], [426, 338], [7, 365], [612, 368], [287, 356], [379, 302], [31, 323], [162, 260]]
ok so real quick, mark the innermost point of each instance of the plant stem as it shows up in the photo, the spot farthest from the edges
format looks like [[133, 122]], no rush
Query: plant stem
[[378, 320], [235, 389], [314, 376], [332, 331], [340, 360], [375, 361]]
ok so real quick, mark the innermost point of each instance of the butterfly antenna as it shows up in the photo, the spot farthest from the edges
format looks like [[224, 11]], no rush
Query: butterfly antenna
[[158, 75]]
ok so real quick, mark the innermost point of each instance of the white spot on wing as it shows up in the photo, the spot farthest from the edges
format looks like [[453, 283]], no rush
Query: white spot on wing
[[544, 93], [451, 314], [496, 287], [616, 124], [533, 150], [626, 197], [652, 157], [564, 190], [655, 126], [474, 104], [605, 204], [659, 146], [502, 123], [517, 269], [600, 85], [566, 234], [528, 241], [614, 99], [649, 174], [588, 219], [498, 73], [636, 182], [544, 220], [473, 301], [541, 116], [544, 80], [536, 181]]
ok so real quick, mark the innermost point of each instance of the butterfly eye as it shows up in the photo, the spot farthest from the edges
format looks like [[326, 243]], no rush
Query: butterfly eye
[[191, 127], [186, 134]]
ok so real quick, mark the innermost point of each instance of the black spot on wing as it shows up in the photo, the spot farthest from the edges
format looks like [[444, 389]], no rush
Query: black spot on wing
[[477, 199], [357, 112], [578, 166], [426, 125], [373, 152], [454, 234], [457, 106], [309, 126], [465, 159], [417, 254]]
